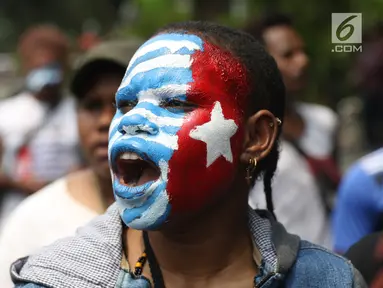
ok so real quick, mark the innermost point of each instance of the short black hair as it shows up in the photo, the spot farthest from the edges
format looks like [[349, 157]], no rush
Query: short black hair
[[267, 90], [88, 75], [258, 27]]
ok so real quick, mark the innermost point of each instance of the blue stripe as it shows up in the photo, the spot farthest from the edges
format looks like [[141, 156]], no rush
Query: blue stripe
[[131, 214], [157, 110], [137, 119], [156, 53], [129, 194], [143, 148], [153, 79], [115, 129], [164, 51], [175, 37]]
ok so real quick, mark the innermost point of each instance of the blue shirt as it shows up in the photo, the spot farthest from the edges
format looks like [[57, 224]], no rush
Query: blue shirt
[[359, 207]]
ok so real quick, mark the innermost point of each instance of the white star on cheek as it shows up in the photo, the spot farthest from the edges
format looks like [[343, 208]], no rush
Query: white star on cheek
[[216, 134]]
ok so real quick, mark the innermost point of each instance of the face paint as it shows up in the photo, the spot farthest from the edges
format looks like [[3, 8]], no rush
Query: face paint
[[179, 159], [38, 78]]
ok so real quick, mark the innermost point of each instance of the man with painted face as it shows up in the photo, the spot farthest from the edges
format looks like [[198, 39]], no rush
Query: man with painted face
[[307, 176], [183, 153], [38, 125], [43, 217]]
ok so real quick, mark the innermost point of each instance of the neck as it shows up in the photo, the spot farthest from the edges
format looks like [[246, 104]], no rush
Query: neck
[[106, 189], [214, 243]]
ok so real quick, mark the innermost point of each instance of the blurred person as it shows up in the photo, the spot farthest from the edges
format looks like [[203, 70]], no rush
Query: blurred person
[[38, 125], [359, 206], [307, 174], [183, 154], [361, 129], [59, 209], [366, 77], [367, 256]]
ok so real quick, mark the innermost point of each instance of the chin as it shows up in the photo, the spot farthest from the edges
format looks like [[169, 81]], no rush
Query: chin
[[139, 185]]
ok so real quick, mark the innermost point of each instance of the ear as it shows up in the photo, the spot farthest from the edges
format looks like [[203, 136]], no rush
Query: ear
[[262, 131]]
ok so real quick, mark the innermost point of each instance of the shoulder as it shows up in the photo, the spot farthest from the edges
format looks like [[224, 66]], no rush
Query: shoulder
[[40, 199], [290, 157], [367, 171], [372, 164], [36, 207], [15, 107], [314, 262], [8, 105], [16, 100], [317, 112], [98, 244], [29, 285], [68, 104]]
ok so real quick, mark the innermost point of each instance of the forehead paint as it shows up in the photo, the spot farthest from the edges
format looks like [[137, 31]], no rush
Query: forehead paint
[[159, 70]]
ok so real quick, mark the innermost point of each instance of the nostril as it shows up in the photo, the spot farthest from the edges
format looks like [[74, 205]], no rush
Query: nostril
[[137, 124], [121, 129], [140, 128]]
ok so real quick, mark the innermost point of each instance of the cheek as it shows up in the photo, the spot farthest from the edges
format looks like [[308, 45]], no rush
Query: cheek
[[285, 66], [191, 184], [86, 128]]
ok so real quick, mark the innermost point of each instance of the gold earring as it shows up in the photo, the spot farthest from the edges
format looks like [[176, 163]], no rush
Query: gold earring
[[251, 168]]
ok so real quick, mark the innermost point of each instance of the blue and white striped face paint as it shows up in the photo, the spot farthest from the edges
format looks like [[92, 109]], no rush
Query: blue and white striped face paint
[[143, 133]]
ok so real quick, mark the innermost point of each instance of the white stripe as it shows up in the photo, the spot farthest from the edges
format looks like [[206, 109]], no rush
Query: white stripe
[[165, 61], [164, 92], [158, 120], [114, 123], [113, 140], [164, 168], [169, 141], [151, 215], [172, 45], [132, 129]]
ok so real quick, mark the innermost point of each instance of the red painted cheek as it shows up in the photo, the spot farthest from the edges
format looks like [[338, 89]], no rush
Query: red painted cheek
[[192, 185], [217, 76]]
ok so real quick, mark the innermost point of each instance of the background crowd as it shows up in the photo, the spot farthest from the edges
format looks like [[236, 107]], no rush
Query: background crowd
[[58, 82]]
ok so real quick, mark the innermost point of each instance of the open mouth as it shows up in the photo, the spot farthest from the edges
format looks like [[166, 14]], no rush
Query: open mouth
[[134, 171]]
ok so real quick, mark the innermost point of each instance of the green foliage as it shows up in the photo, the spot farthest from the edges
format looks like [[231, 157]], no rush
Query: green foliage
[[329, 71], [152, 14]]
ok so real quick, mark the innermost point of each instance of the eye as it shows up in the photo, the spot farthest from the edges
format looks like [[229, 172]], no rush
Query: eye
[[176, 106], [126, 105], [288, 54], [92, 105]]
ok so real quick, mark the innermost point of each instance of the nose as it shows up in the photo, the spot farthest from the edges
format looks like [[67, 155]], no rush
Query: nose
[[137, 124], [105, 118], [303, 60]]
